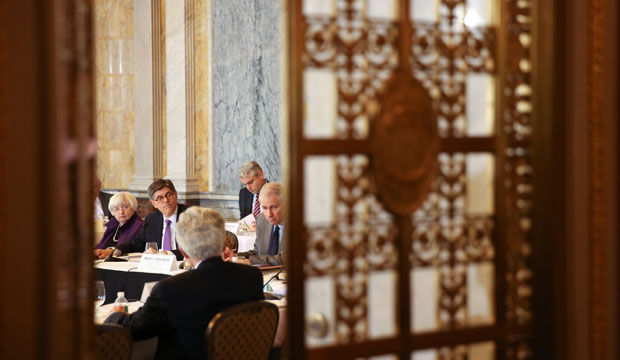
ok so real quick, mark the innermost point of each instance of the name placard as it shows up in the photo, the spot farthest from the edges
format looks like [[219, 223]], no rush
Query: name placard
[[158, 263]]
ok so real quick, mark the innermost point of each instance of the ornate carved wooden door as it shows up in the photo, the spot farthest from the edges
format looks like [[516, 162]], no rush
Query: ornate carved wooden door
[[410, 186]]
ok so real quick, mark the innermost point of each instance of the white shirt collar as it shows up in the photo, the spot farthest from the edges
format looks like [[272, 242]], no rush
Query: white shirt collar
[[172, 217]]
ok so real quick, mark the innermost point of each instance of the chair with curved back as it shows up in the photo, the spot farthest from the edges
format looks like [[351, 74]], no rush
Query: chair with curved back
[[244, 331], [112, 342], [231, 241]]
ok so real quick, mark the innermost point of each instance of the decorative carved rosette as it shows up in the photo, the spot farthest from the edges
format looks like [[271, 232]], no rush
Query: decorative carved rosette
[[404, 146]]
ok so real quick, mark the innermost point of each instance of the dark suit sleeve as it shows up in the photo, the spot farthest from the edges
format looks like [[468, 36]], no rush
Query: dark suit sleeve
[[104, 198], [138, 243], [149, 321], [178, 254], [266, 259], [257, 284], [243, 212]]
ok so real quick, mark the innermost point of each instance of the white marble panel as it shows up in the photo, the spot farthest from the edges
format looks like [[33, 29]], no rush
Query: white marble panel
[[320, 104], [480, 187], [319, 7], [480, 288], [382, 9], [319, 298], [424, 10], [382, 303], [480, 90], [148, 119], [479, 13], [424, 295], [319, 196], [176, 96], [246, 89]]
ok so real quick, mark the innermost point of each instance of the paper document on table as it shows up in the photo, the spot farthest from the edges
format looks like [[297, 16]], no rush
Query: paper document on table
[[247, 225], [246, 242], [146, 290], [158, 263], [233, 227]]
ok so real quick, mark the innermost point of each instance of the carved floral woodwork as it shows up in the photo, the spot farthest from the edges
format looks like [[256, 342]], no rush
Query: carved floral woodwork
[[363, 55]]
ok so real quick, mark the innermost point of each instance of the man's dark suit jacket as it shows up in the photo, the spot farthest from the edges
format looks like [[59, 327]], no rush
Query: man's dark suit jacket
[[151, 231], [246, 205], [104, 198], [180, 307]]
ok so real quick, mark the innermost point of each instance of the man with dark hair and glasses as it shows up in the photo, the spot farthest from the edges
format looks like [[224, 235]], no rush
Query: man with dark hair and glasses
[[159, 226]]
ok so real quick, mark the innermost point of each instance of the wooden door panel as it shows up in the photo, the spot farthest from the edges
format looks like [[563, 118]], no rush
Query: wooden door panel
[[451, 279]]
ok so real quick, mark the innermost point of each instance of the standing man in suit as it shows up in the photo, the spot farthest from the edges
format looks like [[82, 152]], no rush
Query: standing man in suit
[[268, 247], [159, 226], [180, 307], [252, 177]]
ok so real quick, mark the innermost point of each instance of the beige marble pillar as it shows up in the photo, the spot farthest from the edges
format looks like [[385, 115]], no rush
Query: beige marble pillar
[[114, 91], [202, 89], [148, 113], [180, 111]]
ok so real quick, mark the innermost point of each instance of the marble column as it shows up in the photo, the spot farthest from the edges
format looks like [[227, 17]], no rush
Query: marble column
[[148, 109], [246, 90], [114, 64], [180, 114]]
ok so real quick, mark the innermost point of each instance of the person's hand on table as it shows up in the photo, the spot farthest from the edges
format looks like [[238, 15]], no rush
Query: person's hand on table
[[227, 254], [103, 253], [150, 251]]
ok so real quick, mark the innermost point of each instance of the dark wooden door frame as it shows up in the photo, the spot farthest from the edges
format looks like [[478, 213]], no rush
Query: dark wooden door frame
[[47, 152]]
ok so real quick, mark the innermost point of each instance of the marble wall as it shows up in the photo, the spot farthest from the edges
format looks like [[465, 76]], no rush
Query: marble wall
[[237, 79], [114, 91], [246, 90]]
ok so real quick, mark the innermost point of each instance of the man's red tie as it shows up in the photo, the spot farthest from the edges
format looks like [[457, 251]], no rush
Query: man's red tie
[[256, 211]]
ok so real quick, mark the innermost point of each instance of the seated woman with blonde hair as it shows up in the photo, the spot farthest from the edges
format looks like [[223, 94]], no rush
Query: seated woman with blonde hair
[[122, 227]]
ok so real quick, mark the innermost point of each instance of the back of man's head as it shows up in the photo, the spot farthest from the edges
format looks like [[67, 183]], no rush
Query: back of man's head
[[200, 232]]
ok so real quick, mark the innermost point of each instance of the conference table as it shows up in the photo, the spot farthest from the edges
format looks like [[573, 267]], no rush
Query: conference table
[[124, 276]]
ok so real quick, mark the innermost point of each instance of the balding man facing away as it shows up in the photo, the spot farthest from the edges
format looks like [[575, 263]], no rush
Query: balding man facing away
[[180, 307]]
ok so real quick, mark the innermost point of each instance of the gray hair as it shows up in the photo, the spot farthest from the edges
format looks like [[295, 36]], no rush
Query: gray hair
[[121, 197], [249, 168], [270, 189], [200, 232]]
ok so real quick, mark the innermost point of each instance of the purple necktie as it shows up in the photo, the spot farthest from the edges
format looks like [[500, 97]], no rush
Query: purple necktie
[[167, 236]]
